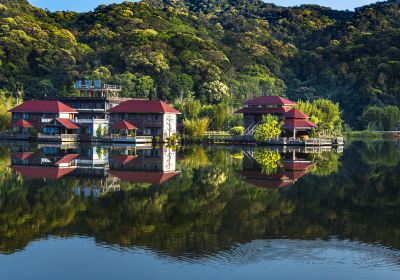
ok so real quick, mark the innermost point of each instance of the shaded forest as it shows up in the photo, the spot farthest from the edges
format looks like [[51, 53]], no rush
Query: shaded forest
[[214, 51]]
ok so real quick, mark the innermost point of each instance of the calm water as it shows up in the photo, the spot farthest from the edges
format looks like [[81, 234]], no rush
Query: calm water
[[82, 212]]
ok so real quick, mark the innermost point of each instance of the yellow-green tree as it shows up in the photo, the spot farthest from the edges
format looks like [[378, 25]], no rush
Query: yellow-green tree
[[269, 128]]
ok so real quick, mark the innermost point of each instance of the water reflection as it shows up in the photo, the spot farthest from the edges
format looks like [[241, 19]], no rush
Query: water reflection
[[196, 202]]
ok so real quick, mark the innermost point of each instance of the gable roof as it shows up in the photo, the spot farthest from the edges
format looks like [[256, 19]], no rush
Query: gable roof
[[269, 100], [41, 172], [143, 176], [296, 114], [22, 123], [143, 106], [124, 125], [42, 106], [67, 123]]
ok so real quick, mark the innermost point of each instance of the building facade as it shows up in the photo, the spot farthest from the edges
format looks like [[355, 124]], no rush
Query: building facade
[[150, 117]]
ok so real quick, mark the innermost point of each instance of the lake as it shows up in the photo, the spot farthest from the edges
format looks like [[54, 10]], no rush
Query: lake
[[196, 212]]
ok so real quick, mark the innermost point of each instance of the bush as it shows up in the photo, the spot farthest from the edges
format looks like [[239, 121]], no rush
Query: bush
[[237, 130], [269, 128]]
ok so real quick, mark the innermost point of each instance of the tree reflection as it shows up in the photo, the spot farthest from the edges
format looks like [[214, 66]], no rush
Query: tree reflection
[[210, 206]]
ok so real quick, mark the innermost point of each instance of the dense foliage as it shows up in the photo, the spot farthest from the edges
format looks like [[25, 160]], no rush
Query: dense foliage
[[269, 128], [217, 51], [210, 207]]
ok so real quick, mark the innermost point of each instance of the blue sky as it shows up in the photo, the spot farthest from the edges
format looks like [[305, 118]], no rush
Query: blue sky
[[87, 5]]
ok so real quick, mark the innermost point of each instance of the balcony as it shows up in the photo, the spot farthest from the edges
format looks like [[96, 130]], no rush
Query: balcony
[[46, 120], [58, 137], [80, 121]]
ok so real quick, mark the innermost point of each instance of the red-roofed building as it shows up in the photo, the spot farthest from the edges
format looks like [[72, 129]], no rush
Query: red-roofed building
[[296, 123], [40, 113], [255, 109], [150, 117]]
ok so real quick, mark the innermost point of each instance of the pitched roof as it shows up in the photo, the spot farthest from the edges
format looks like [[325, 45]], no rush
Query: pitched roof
[[296, 114], [67, 159], [22, 155], [42, 106], [67, 123], [40, 172], [297, 165], [123, 159], [144, 106], [143, 176], [22, 123], [269, 100], [124, 125], [298, 123], [280, 110]]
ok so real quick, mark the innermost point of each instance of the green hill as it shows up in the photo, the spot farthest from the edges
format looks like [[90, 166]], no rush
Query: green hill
[[215, 51]]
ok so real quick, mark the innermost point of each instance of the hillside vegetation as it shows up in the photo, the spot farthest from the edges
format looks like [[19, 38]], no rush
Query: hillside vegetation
[[215, 51]]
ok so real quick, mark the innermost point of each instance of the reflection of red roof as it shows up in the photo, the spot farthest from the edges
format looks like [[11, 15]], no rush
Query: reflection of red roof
[[67, 159], [143, 106], [295, 175], [270, 184], [269, 100], [281, 110], [22, 123], [296, 123], [42, 106], [67, 123], [21, 156], [297, 165], [296, 114], [142, 176], [124, 125], [41, 172], [123, 159]]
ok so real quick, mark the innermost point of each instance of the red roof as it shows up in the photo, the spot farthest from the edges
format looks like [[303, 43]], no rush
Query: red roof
[[124, 125], [280, 110], [142, 176], [298, 123], [67, 159], [297, 165], [21, 156], [269, 100], [67, 123], [123, 159], [296, 114], [42, 106], [40, 172], [22, 123], [143, 106]]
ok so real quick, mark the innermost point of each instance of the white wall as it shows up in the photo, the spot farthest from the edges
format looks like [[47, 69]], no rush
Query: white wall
[[169, 125]]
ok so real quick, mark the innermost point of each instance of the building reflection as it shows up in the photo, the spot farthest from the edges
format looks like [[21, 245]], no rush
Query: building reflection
[[291, 165], [101, 168]]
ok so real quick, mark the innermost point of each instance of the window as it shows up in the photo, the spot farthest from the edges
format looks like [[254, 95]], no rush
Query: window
[[25, 116], [147, 131], [15, 116], [156, 117]]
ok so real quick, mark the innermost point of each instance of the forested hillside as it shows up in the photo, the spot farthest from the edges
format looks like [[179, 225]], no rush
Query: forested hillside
[[215, 51]]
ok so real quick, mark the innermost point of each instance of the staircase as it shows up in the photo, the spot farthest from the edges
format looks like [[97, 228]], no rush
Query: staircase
[[250, 129]]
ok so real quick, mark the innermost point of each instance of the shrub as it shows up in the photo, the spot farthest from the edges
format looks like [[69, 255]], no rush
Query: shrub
[[237, 130]]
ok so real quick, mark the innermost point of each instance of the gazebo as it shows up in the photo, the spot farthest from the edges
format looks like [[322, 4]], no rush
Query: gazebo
[[123, 128], [297, 123]]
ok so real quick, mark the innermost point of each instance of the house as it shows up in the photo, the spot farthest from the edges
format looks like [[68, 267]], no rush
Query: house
[[295, 122], [146, 117], [46, 116], [92, 104], [253, 110]]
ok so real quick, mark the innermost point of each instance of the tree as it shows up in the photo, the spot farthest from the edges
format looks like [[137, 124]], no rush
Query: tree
[[196, 127], [325, 114], [268, 129], [99, 131]]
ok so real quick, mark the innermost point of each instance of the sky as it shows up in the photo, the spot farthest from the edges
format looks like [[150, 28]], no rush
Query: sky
[[88, 5]]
